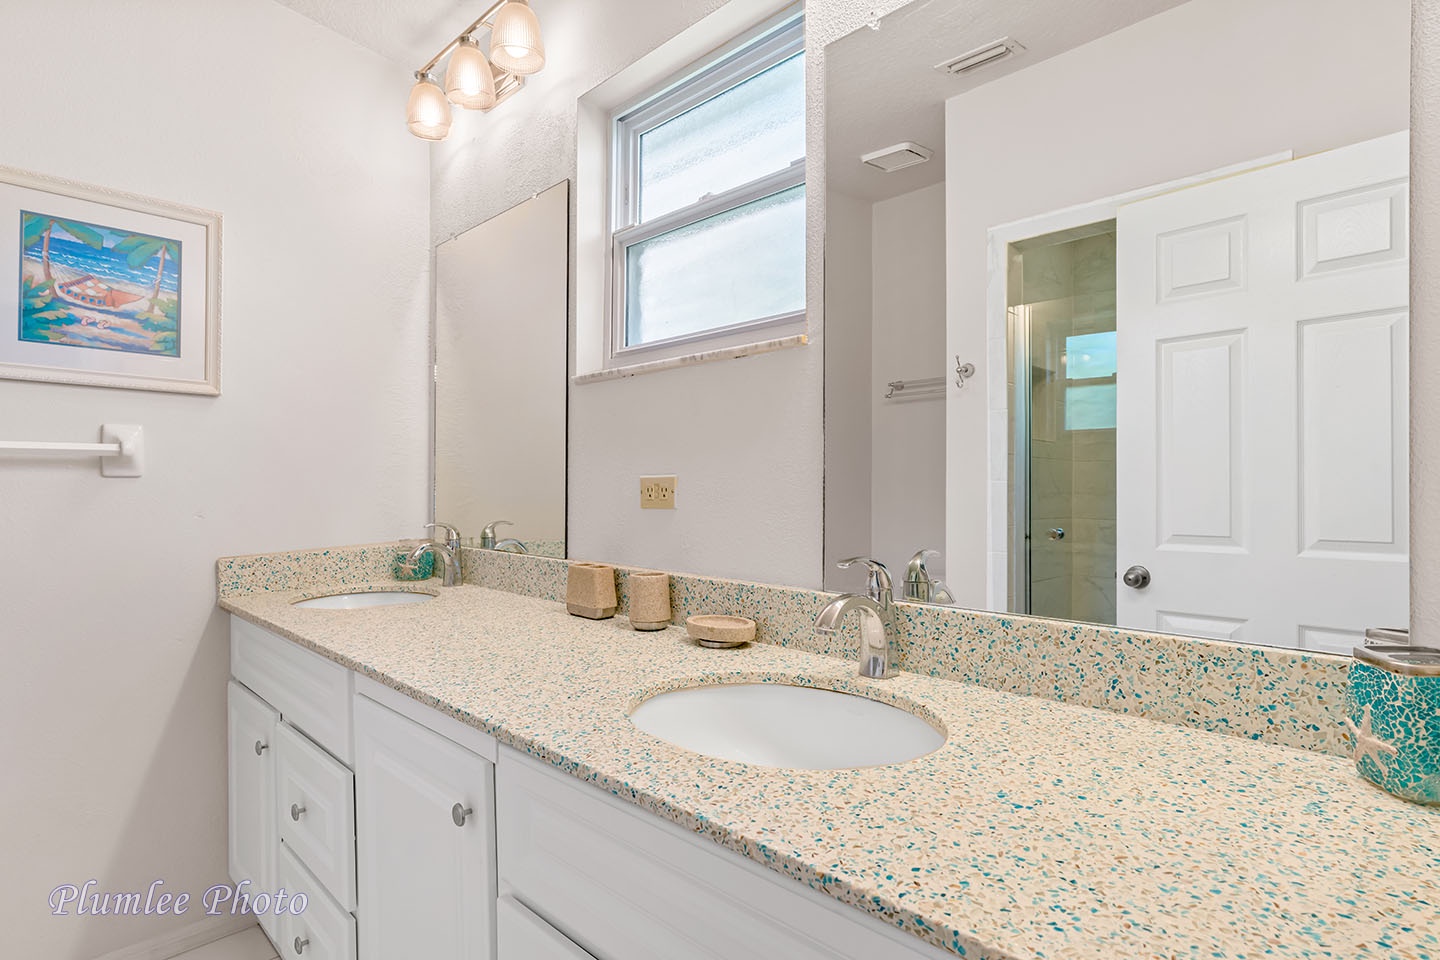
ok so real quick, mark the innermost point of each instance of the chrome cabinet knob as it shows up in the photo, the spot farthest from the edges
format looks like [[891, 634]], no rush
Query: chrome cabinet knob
[[460, 814], [1057, 533], [1137, 577], [300, 945], [260, 747], [296, 812]]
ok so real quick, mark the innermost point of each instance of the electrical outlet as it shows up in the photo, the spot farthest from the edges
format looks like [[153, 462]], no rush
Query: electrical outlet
[[657, 493]]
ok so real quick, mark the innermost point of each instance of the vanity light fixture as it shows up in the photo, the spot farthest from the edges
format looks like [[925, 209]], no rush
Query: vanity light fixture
[[980, 56], [898, 157], [471, 81]]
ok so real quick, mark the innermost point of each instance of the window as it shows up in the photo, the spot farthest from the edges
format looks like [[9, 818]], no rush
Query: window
[[708, 204], [1090, 381]]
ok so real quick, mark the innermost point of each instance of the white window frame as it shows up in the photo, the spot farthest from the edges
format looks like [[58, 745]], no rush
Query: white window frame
[[750, 55]]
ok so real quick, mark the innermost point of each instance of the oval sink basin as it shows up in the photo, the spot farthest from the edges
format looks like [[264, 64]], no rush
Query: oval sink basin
[[782, 726], [358, 601]]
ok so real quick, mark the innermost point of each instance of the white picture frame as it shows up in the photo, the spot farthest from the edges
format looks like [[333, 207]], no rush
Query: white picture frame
[[103, 288]]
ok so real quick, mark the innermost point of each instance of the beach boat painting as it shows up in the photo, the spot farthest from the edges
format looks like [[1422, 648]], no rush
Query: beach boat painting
[[98, 287]]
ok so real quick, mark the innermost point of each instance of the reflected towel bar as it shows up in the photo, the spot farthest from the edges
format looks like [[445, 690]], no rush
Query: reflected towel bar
[[926, 385]]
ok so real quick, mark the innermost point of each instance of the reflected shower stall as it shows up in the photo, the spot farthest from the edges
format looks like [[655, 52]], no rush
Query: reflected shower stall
[[1062, 390]]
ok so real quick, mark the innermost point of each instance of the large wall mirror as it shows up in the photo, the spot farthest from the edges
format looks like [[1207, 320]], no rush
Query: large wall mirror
[[1117, 311], [500, 336]]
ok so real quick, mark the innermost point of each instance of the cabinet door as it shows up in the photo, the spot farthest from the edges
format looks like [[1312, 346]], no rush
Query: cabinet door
[[524, 936], [253, 837], [426, 865]]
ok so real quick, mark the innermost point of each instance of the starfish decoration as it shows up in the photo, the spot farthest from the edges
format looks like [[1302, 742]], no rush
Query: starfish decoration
[[1367, 744]]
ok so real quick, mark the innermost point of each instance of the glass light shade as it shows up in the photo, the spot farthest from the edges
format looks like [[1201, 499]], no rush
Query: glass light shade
[[515, 44], [469, 82], [428, 112]]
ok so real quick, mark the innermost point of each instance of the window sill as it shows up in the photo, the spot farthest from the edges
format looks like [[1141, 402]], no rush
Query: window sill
[[706, 356]]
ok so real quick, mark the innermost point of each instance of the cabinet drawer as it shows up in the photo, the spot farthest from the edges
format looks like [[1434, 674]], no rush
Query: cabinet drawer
[[323, 931], [315, 806], [312, 693], [524, 936]]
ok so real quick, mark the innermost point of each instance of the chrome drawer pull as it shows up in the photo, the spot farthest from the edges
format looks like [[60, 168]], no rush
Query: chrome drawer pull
[[260, 747], [460, 814], [300, 945], [296, 812]]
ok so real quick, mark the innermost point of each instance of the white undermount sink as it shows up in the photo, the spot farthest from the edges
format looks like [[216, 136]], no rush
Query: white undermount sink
[[784, 726], [358, 601]]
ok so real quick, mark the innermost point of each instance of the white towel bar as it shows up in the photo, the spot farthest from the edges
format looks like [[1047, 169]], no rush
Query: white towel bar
[[121, 449]]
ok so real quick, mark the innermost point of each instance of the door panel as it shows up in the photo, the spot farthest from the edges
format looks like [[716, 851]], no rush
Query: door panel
[[1263, 402], [253, 837], [427, 883]]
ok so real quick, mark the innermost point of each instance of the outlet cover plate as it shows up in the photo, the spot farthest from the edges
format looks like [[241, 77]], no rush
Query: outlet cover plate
[[657, 493]]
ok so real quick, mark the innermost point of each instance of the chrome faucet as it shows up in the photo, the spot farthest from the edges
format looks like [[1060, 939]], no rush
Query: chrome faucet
[[448, 553], [487, 536], [512, 545], [920, 587], [877, 619]]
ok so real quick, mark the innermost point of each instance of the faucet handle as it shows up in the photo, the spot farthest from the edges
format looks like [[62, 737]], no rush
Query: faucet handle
[[451, 534], [880, 587], [489, 530]]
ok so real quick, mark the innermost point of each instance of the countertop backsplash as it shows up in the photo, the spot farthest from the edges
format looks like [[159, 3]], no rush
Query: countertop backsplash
[[1284, 697]]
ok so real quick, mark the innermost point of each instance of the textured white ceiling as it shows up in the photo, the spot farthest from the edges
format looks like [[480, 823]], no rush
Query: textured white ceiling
[[409, 32], [881, 87]]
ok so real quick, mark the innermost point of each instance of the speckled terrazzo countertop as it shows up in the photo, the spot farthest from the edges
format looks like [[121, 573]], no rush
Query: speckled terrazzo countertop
[[1038, 830]]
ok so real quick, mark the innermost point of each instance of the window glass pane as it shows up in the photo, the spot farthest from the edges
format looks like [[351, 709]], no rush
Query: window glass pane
[[1090, 356], [741, 265], [752, 129], [1090, 406]]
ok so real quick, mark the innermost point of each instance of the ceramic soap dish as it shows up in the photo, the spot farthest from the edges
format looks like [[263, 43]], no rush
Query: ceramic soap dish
[[718, 630]]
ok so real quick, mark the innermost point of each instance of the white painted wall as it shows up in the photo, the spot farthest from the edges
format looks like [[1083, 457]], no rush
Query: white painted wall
[[1198, 87], [744, 436], [112, 695], [849, 294], [908, 467]]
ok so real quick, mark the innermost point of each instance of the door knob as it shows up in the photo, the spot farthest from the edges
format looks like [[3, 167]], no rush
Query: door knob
[[1137, 577], [1057, 533]]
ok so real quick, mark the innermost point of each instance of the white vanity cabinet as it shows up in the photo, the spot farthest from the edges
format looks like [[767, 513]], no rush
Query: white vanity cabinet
[[379, 810], [426, 840], [416, 837]]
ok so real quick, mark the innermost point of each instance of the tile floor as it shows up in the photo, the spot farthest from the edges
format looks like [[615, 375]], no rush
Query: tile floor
[[245, 945]]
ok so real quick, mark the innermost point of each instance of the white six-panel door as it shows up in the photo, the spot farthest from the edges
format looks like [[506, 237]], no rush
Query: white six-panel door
[[1262, 402]]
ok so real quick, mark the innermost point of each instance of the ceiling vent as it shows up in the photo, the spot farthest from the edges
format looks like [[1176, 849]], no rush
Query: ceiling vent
[[980, 56], [898, 157]]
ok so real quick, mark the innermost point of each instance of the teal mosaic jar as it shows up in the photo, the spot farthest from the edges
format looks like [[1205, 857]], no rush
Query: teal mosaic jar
[[1393, 703]]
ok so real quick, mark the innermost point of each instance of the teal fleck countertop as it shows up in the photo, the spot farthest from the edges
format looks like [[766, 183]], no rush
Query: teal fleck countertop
[[1039, 830]]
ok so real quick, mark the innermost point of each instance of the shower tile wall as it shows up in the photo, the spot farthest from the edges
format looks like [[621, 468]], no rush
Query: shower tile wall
[[1068, 290]]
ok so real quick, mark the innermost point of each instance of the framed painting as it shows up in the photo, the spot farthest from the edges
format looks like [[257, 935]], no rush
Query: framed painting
[[107, 289]]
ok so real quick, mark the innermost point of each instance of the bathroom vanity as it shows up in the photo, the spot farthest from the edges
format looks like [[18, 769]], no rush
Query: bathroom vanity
[[501, 799], [341, 789]]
